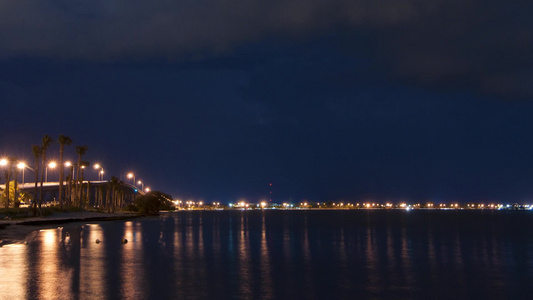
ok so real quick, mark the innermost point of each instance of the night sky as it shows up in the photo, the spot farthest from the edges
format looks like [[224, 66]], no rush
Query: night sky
[[328, 100]]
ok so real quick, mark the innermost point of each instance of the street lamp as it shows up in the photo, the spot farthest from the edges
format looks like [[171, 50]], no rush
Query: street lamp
[[142, 184], [69, 165], [22, 166], [131, 175], [82, 171], [147, 189], [51, 165], [3, 162], [101, 172]]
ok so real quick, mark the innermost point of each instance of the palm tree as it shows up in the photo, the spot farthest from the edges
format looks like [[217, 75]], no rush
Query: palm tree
[[108, 197], [88, 195], [63, 140], [80, 150], [7, 174], [15, 188], [47, 140], [37, 152], [70, 179], [83, 196], [115, 184]]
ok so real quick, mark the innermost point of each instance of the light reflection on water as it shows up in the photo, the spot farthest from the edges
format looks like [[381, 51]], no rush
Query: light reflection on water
[[13, 270], [277, 254]]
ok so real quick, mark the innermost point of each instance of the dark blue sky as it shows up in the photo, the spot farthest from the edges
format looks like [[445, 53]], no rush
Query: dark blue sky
[[327, 100]]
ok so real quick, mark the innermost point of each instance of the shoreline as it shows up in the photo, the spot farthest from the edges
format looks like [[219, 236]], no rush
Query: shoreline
[[18, 231]]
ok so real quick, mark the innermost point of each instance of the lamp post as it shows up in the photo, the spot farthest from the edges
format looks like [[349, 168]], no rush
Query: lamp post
[[142, 185], [131, 175], [101, 172], [147, 190], [21, 165], [69, 165], [51, 165], [3, 163], [82, 170]]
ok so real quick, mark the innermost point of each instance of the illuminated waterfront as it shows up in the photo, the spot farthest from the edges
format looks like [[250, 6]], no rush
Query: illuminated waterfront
[[279, 254]]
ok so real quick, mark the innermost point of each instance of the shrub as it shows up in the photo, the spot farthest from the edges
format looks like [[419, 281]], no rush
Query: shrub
[[152, 202]]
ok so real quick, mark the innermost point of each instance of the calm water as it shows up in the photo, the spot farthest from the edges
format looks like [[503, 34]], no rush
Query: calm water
[[279, 255]]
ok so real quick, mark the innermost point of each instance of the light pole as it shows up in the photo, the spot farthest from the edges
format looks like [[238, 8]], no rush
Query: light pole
[[147, 190], [3, 163], [131, 175], [142, 185], [51, 165], [82, 170], [21, 165], [101, 172], [69, 165]]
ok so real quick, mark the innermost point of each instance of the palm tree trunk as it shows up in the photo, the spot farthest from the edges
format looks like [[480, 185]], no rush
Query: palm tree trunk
[[60, 196], [108, 198], [6, 174], [15, 188], [71, 178], [34, 204], [63, 140], [88, 194], [101, 196], [78, 167], [43, 162]]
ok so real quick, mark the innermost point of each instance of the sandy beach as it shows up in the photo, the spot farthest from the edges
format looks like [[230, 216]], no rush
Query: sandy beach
[[18, 231]]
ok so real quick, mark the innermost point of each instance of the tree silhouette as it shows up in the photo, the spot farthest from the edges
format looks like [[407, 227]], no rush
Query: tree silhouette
[[47, 140], [37, 152], [80, 150], [63, 140]]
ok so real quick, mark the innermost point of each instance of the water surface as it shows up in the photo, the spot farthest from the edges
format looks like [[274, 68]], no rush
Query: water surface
[[365, 254]]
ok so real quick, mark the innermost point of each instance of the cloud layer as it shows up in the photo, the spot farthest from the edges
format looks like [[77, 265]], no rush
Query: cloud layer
[[110, 29], [481, 44]]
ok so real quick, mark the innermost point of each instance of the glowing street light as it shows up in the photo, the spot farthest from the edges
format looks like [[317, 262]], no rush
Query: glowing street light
[[21, 165], [3, 162], [51, 165], [147, 189], [101, 172], [141, 183], [131, 175], [68, 164]]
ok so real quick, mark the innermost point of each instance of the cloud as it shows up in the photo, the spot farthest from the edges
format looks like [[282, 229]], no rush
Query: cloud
[[114, 29], [466, 43]]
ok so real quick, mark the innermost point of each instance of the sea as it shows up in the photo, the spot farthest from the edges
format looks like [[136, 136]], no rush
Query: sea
[[279, 254]]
